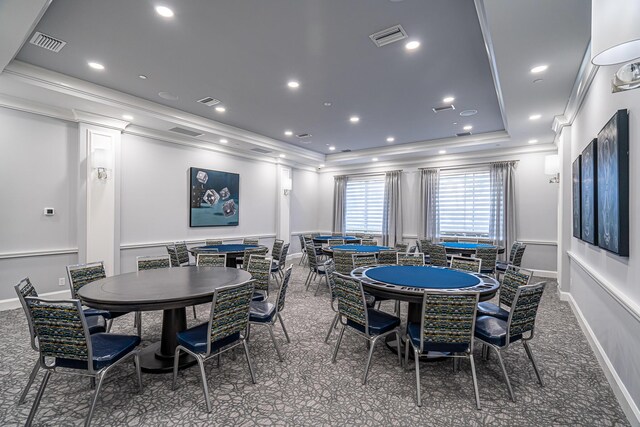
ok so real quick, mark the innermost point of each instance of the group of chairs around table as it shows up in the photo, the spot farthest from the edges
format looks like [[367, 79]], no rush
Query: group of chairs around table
[[451, 322], [78, 339]]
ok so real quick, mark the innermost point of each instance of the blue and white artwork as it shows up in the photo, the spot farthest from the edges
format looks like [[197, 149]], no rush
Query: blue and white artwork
[[588, 192], [215, 198], [576, 201], [613, 185]]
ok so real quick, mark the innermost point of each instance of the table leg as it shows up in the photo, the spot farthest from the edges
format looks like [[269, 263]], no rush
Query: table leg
[[158, 358]]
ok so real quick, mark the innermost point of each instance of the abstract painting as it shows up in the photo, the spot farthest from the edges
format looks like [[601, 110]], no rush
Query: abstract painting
[[613, 185], [215, 198], [575, 194], [588, 193]]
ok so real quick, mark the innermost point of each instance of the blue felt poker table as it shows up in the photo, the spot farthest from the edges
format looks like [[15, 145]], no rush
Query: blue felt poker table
[[325, 239], [355, 248], [466, 248]]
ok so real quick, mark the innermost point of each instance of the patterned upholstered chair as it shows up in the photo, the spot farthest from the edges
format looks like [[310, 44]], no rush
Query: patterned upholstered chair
[[330, 268], [63, 335], [343, 261], [498, 334], [486, 241], [488, 257], [515, 258], [82, 274], [364, 260], [368, 323], [211, 259], [259, 267], [277, 267], [448, 239], [303, 249], [182, 253], [24, 289], [335, 242], [416, 259], [369, 242], [337, 233], [151, 263], [437, 255], [423, 246], [389, 257], [315, 269], [512, 279], [213, 242], [252, 251], [401, 247], [467, 240], [250, 241], [360, 235], [264, 313], [447, 325], [463, 263], [276, 249], [228, 321], [173, 255]]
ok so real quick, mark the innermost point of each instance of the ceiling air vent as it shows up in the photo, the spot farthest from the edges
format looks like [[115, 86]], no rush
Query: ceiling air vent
[[47, 42], [303, 135], [463, 134], [346, 151], [184, 131], [390, 35], [443, 108], [261, 150], [209, 101]]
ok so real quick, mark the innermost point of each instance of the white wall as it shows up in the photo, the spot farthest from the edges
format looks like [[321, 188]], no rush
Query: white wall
[[305, 202], [603, 287]]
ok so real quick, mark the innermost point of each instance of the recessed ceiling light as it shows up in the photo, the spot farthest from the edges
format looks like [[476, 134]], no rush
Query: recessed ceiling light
[[288, 132], [293, 84], [282, 156], [164, 11], [539, 69], [375, 159], [390, 139], [142, 76], [223, 141], [442, 152], [467, 113], [127, 117], [468, 127], [332, 148], [354, 119], [220, 109], [96, 65], [535, 116], [533, 141], [167, 95], [321, 166], [448, 99], [412, 45], [327, 104]]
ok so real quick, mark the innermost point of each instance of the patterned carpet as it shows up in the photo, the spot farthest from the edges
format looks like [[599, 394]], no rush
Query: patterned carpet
[[307, 389]]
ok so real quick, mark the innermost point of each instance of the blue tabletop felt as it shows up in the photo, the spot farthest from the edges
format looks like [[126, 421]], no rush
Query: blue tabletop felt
[[227, 247], [460, 245], [422, 277], [359, 248], [334, 237]]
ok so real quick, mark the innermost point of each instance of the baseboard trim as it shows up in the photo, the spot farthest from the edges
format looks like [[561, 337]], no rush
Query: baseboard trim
[[627, 404], [11, 303], [545, 273]]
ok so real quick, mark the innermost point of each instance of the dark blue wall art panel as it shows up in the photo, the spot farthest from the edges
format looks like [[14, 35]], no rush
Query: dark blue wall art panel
[[589, 170], [575, 194]]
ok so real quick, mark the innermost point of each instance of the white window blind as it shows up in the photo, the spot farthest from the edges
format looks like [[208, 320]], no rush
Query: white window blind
[[364, 204], [464, 203]]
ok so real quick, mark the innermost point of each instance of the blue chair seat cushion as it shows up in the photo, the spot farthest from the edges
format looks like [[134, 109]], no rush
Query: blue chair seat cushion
[[261, 312], [107, 349], [96, 324], [493, 331], [487, 270], [490, 309], [195, 339], [258, 296], [501, 266], [379, 322], [413, 333], [275, 267]]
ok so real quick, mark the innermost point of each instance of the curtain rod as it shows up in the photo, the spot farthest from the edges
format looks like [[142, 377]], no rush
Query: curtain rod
[[469, 165], [371, 173]]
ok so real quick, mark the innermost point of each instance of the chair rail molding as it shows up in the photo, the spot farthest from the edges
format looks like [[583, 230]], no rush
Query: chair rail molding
[[47, 252], [157, 244]]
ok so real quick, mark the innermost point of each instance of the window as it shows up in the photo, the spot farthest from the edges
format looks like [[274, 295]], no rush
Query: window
[[464, 203], [364, 205]]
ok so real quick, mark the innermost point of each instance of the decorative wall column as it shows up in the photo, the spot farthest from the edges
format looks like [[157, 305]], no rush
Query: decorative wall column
[[284, 184]]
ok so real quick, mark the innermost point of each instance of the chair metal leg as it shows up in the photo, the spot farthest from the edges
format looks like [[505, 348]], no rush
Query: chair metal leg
[[36, 402], [416, 357], [506, 376], [138, 322], [194, 312], [109, 325], [284, 329], [96, 393], [335, 350], [333, 325], [275, 343], [533, 362], [218, 360], [136, 361], [406, 354], [475, 380], [176, 363], [307, 282], [398, 344], [246, 353], [372, 345], [205, 387], [32, 377]]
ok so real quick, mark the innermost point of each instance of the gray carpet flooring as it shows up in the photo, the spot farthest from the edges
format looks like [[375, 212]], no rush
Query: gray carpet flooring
[[307, 389]]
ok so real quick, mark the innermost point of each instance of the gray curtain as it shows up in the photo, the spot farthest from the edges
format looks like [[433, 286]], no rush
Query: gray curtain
[[339, 195], [392, 211], [428, 215], [502, 222]]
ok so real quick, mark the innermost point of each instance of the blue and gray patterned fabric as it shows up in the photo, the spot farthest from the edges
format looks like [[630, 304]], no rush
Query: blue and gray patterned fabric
[[260, 269], [250, 241], [369, 242], [152, 263], [517, 257], [364, 260], [312, 256], [182, 252], [448, 318], [488, 257], [173, 255], [25, 289], [211, 260], [343, 261], [230, 311], [525, 309], [437, 255], [401, 247], [212, 242], [410, 259], [466, 264], [282, 293], [262, 251], [80, 275], [388, 257], [276, 249], [351, 303], [513, 279], [335, 242], [282, 260]]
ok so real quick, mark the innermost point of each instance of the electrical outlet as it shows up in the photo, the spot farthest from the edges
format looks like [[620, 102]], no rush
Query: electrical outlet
[[61, 281]]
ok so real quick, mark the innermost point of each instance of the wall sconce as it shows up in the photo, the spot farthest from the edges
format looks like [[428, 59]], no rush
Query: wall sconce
[[626, 78], [287, 186], [552, 167], [100, 160]]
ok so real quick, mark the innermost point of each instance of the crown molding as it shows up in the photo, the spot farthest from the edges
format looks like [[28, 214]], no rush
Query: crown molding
[[99, 120], [28, 106]]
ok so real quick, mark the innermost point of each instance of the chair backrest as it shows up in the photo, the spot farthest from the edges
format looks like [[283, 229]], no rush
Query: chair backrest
[[229, 312], [448, 318], [276, 249], [252, 251], [330, 268], [512, 252], [517, 257], [25, 289], [211, 259], [282, 291], [81, 274], [488, 257], [152, 262], [182, 252], [512, 280], [335, 242], [522, 316], [423, 245], [213, 242], [467, 240], [336, 233], [260, 268], [401, 247], [351, 301], [311, 254], [389, 257], [359, 235], [474, 265], [437, 255], [250, 241], [61, 329], [364, 259], [283, 255], [343, 261], [369, 242], [448, 239], [486, 241], [415, 259], [173, 255], [302, 242]]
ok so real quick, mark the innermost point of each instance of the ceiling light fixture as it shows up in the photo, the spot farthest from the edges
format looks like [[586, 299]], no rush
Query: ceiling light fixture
[[293, 84], [288, 132], [354, 119], [375, 159], [164, 11], [533, 141], [321, 166], [332, 148], [223, 141], [468, 127], [127, 117], [535, 116], [282, 156], [448, 99], [442, 152], [412, 45], [96, 65], [142, 76], [467, 113], [390, 139], [327, 104], [539, 69], [220, 109]]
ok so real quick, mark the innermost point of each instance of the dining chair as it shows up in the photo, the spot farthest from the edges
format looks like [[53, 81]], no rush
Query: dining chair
[[415, 259], [488, 257], [437, 255], [183, 254], [264, 313], [364, 260], [173, 255], [225, 330], [315, 269], [343, 261], [211, 259], [151, 262], [515, 258], [25, 289], [369, 242], [467, 240], [463, 263], [368, 323], [213, 242], [65, 342], [401, 247], [446, 326], [83, 274], [303, 258], [499, 334], [261, 250], [277, 266], [251, 241], [259, 266], [337, 233], [448, 239], [276, 249], [486, 241], [512, 279], [335, 242], [389, 257], [330, 268]]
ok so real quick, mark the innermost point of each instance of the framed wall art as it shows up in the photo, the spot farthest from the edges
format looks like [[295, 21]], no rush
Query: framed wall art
[[575, 197], [215, 198], [588, 193]]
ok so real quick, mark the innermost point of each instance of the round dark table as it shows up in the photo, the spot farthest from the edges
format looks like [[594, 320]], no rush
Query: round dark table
[[325, 239], [234, 251], [355, 248], [467, 249], [167, 289]]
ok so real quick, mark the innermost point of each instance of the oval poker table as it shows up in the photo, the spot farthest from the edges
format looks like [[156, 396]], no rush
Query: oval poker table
[[364, 249], [465, 248], [325, 239], [234, 251]]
